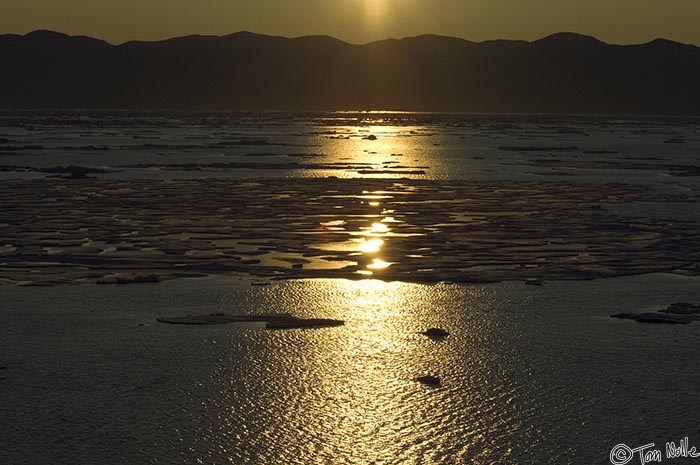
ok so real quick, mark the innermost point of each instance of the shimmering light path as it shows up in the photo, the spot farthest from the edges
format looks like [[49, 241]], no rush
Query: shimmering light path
[[67, 232]]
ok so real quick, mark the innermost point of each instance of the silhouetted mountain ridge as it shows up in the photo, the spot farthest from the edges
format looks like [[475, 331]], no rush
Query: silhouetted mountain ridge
[[570, 39], [561, 73]]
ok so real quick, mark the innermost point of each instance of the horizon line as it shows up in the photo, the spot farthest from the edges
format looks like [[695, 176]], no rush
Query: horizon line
[[388, 39]]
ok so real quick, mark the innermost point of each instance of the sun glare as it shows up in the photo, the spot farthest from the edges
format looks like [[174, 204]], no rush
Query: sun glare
[[371, 246], [376, 9], [378, 264]]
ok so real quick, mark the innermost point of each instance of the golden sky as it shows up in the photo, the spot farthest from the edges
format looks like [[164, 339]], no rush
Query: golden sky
[[359, 21]]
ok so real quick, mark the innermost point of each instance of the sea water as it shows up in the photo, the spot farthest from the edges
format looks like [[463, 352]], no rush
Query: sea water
[[529, 374]]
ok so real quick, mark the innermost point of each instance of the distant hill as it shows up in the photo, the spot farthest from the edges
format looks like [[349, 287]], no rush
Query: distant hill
[[562, 73]]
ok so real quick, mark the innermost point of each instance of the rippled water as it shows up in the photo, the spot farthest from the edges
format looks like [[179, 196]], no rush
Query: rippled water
[[529, 374]]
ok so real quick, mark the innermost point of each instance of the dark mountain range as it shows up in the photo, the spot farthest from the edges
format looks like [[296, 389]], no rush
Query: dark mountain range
[[562, 73]]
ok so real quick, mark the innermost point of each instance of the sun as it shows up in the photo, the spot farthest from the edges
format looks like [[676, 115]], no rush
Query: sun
[[376, 10]]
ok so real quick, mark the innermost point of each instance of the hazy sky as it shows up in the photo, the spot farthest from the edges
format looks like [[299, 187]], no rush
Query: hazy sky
[[359, 21]]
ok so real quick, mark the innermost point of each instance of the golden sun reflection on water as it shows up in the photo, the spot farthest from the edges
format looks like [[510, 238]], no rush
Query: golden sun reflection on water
[[372, 148], [372, 238], [378, 264], [378, 228], [371, 245], [351, 392]]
